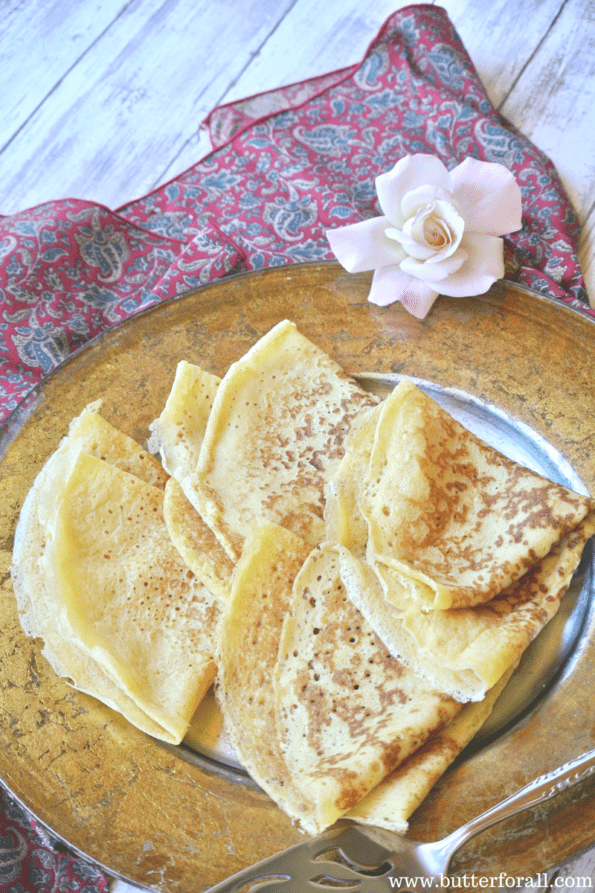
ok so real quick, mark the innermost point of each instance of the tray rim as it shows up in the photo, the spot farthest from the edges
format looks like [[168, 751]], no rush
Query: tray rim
[[24, 404]]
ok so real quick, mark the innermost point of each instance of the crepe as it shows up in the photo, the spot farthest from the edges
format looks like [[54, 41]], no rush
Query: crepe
[[273, 438], [391, 454], [465, 651], [315, 708], [246, 656], [196, 542], [343, 518], [91, 433], [97, 577], [348, 712], [391, 803], [456, 519], [178, 433]]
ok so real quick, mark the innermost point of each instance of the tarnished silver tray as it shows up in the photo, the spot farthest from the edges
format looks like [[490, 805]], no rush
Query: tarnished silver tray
[[515, 367]]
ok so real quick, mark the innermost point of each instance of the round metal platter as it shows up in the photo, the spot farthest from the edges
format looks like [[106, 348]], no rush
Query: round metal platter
[[515, 367]]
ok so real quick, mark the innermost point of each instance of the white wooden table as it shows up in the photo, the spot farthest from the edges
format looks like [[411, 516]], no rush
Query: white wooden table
[[102, 99]]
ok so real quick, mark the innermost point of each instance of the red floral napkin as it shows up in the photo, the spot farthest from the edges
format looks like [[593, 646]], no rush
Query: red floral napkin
[[285, 167]]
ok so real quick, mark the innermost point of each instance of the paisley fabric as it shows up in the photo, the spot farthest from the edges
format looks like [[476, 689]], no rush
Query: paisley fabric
[[31, 860], [285, 166]]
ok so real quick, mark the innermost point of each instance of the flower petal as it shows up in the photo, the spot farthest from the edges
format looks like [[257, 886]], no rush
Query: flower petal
[[423, 195], [389, 284], [434, 272], [410, 246], [433, 233], [364, 245], [409, 173], [489, 195], [484, 264]]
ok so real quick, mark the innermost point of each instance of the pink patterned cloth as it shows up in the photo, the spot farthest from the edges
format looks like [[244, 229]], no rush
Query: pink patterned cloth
[[31, 860], [285, 166]]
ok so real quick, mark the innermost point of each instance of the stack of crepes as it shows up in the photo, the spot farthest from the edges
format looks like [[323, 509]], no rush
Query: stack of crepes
[[361, 576]]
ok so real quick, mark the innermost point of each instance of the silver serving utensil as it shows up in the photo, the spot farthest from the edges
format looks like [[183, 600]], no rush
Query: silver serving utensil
[[357, 859]]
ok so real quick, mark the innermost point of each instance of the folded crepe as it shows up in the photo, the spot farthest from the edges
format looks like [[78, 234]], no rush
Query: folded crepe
[[97, 577], [258, 445], [455, 518], [455, 555], [348, 712], [91, 433], [177, 434], [246, 656], [391, 803], [465, 651], [316, 709], [273, 438]]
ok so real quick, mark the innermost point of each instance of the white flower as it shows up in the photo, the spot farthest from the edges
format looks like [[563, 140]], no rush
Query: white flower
[[439, 233]]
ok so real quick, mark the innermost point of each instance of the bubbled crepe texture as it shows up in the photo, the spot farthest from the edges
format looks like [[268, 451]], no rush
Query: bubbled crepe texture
[[96, 576], [380, 580], [354, 571]]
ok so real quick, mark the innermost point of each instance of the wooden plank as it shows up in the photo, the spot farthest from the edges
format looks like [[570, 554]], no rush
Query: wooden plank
[[553, 100], [537, 62], [297, 50], [117, 118], [101, 134], [39, 43]]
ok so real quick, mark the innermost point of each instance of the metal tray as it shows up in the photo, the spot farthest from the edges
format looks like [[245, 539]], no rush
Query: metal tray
[[514, 366]]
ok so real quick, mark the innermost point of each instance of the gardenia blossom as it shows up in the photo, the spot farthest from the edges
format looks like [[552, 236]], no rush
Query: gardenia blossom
[[439, 233]]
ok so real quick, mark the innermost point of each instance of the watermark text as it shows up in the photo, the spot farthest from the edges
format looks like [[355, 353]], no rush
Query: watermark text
[[502, 881]]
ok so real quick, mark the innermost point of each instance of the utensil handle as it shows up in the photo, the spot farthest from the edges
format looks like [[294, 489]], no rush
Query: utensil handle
[[537, 791]]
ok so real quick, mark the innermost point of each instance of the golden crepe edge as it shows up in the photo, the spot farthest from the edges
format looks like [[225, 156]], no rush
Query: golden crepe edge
[[459, 521], [41, 615], [347, 712]]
